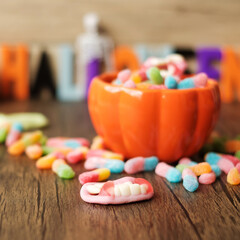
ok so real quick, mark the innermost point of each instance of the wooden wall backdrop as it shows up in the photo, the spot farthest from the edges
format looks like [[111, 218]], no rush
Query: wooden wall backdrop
[[184, 23]]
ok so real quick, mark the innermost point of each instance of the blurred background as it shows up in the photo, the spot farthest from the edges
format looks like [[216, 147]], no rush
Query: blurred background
[[61, 51]]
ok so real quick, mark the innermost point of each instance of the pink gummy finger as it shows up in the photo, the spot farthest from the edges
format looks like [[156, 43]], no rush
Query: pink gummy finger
[[134, 165], [225, 165], [207, 178], [124, 190]]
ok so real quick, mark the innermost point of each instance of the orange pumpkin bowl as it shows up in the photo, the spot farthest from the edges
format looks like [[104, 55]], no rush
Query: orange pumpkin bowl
[[166, 123]]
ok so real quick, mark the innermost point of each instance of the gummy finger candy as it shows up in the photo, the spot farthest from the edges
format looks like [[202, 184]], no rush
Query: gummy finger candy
[[4, 129], [67, 142], [97, 175], [97, 143], [14, 134], [104, 154], [123, 190], [207, 178], [19, 147], [139, 164], [217, 170], [168, 172], [217, 159], [77, 155], [114, 165], [34, 151], [201, 168], [190, 182], [233, 176], [47, 161], [64, 171]]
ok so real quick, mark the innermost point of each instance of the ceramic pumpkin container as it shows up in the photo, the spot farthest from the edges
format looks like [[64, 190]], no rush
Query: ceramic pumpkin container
[[168, 123]]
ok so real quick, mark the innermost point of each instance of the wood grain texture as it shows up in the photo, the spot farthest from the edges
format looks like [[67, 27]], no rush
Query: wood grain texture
[[38, 205], [179, 22]]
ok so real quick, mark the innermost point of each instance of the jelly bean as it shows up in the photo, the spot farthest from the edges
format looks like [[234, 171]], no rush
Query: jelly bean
[[136, 78], [139, 164], [207, 178], [216, 169], [238, 167], [114, 165], [57, 163], [97, 143], [67, 142], [34, 151], [4, 129], [19, 147], [124, 190], [97, 175], [186, 83], [200, 80], [129, 84], [224, 164], [171, 82], [64, 171], [77, 155], [14, 134], [180, 167], [231, 158], [168, 172], [190, 182], [154, 75], [142, 74], [124, 75], [47, 161], [201, 168], [104, 154], [233, 176], [187, 161]]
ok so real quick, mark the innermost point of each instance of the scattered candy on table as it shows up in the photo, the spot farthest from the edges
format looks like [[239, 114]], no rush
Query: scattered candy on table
[[104, 154], [207, 178], [77, 155], [64, 171], [47, 161], [14, 134]]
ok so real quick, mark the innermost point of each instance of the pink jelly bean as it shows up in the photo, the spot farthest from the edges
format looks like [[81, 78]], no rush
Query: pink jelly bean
[[124, 75], [168, 172], [231, 158], [207, 178], [77, 155], [200, 80], [238, 167], [129, 84]]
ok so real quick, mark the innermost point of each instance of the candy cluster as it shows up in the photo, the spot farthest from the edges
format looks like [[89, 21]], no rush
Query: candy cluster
[[58, 152], [159, 73]]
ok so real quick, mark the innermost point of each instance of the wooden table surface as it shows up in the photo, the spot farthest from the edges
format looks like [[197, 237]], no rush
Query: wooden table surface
[[38, 205]]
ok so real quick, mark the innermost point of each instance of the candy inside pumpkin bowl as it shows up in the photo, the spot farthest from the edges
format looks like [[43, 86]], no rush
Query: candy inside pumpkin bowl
[[142, 120]]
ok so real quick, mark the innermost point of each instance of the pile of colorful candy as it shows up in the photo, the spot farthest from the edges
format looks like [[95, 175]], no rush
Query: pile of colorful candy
[[158, 73], [56, 153]]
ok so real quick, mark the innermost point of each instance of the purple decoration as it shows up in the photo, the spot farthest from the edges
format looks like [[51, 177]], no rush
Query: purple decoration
[[205, 57], [93, 69]]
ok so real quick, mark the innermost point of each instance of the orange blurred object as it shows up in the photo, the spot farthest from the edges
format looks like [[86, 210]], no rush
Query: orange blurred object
[[232, 146], [15, 72], [169, 124]]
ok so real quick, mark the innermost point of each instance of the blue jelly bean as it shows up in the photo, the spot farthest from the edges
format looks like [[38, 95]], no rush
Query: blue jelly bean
[[150, 163], [171, 82], [114, 165], [173, 175], [190, 183], [212, 158], [216, 169], [186, 83]]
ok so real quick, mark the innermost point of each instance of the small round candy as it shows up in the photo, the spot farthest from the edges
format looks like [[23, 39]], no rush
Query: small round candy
[[154, 75], [171, 82], [233, 176], [64, 171], [173, 175], [190, 183], [207, 178]]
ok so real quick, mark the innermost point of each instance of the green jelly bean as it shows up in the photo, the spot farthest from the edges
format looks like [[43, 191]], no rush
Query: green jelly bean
[[181, 167], [64, 171], [47, 150], [154, 75], [3, 134]]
